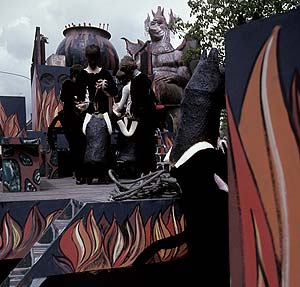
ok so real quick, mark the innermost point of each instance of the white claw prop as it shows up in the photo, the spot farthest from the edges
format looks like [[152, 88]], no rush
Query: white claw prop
[[123, 124]]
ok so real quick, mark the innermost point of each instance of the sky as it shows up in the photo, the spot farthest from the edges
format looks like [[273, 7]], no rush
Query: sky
[[19, 19]]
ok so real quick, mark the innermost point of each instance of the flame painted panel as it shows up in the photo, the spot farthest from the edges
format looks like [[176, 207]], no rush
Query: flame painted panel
[[108, 235], [45, 90], [263, 101], [22, 224], [12, 115]]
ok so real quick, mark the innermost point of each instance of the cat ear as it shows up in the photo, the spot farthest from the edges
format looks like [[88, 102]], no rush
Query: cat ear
[[213, 56], [203, 56]]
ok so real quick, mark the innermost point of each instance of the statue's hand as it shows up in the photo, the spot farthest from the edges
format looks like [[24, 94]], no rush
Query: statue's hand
[[166, 78], [176, 79]]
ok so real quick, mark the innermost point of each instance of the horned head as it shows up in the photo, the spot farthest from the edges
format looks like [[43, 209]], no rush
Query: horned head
[[159, 15]]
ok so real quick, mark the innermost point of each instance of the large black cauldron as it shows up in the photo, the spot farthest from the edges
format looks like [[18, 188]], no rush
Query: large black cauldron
[[78, 37]]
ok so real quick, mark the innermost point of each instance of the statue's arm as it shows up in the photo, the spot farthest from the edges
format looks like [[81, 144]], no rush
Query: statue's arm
[[180, 78]]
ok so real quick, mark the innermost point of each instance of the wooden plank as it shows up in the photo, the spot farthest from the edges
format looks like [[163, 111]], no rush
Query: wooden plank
[[61, 188]]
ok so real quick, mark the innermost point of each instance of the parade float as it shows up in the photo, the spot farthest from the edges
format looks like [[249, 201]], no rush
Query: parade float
[[59, 241]]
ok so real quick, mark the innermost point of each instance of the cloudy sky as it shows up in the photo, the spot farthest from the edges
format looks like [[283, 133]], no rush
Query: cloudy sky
[[19, 18]]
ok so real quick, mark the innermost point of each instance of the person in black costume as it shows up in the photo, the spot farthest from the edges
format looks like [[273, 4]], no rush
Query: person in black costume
[[122, 106], [143, 111], [98, 154], [125, 141], [92, 82], [95, 80], [68, 89], [72, 120]]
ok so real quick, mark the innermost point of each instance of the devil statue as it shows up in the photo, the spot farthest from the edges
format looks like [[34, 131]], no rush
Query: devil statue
[[170, 75]]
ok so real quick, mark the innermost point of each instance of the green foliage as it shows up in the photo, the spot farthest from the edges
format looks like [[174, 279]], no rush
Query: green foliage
[[177, 26], [190, 55], [213, 18]]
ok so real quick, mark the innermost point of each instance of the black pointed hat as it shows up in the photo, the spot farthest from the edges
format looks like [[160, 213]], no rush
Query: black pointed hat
[[201, 104]]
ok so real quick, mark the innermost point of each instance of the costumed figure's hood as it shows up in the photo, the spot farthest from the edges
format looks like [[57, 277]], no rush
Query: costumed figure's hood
[[200, 106]]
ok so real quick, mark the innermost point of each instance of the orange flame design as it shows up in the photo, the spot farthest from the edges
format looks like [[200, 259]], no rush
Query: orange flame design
[[9, 125], [15, 242], [82, 245], [166, 227], [94, 246], [11, 235], [47, 106], [267, 166], [3, 117], [258, 249], [12, 127]]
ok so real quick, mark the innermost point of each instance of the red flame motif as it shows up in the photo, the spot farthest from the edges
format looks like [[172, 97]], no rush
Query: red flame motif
[[9, 125], [93, 246], [47, 106], [15, 242], [2, 115], [166, 227], [266, 163]]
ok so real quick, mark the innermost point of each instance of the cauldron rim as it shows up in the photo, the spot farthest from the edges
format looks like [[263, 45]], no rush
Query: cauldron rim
[[104, 33]]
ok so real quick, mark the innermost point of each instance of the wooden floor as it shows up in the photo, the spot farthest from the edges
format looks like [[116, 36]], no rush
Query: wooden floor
[[62, 188]]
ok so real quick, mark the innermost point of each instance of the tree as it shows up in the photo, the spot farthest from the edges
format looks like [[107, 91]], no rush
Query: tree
[[214, 17]]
